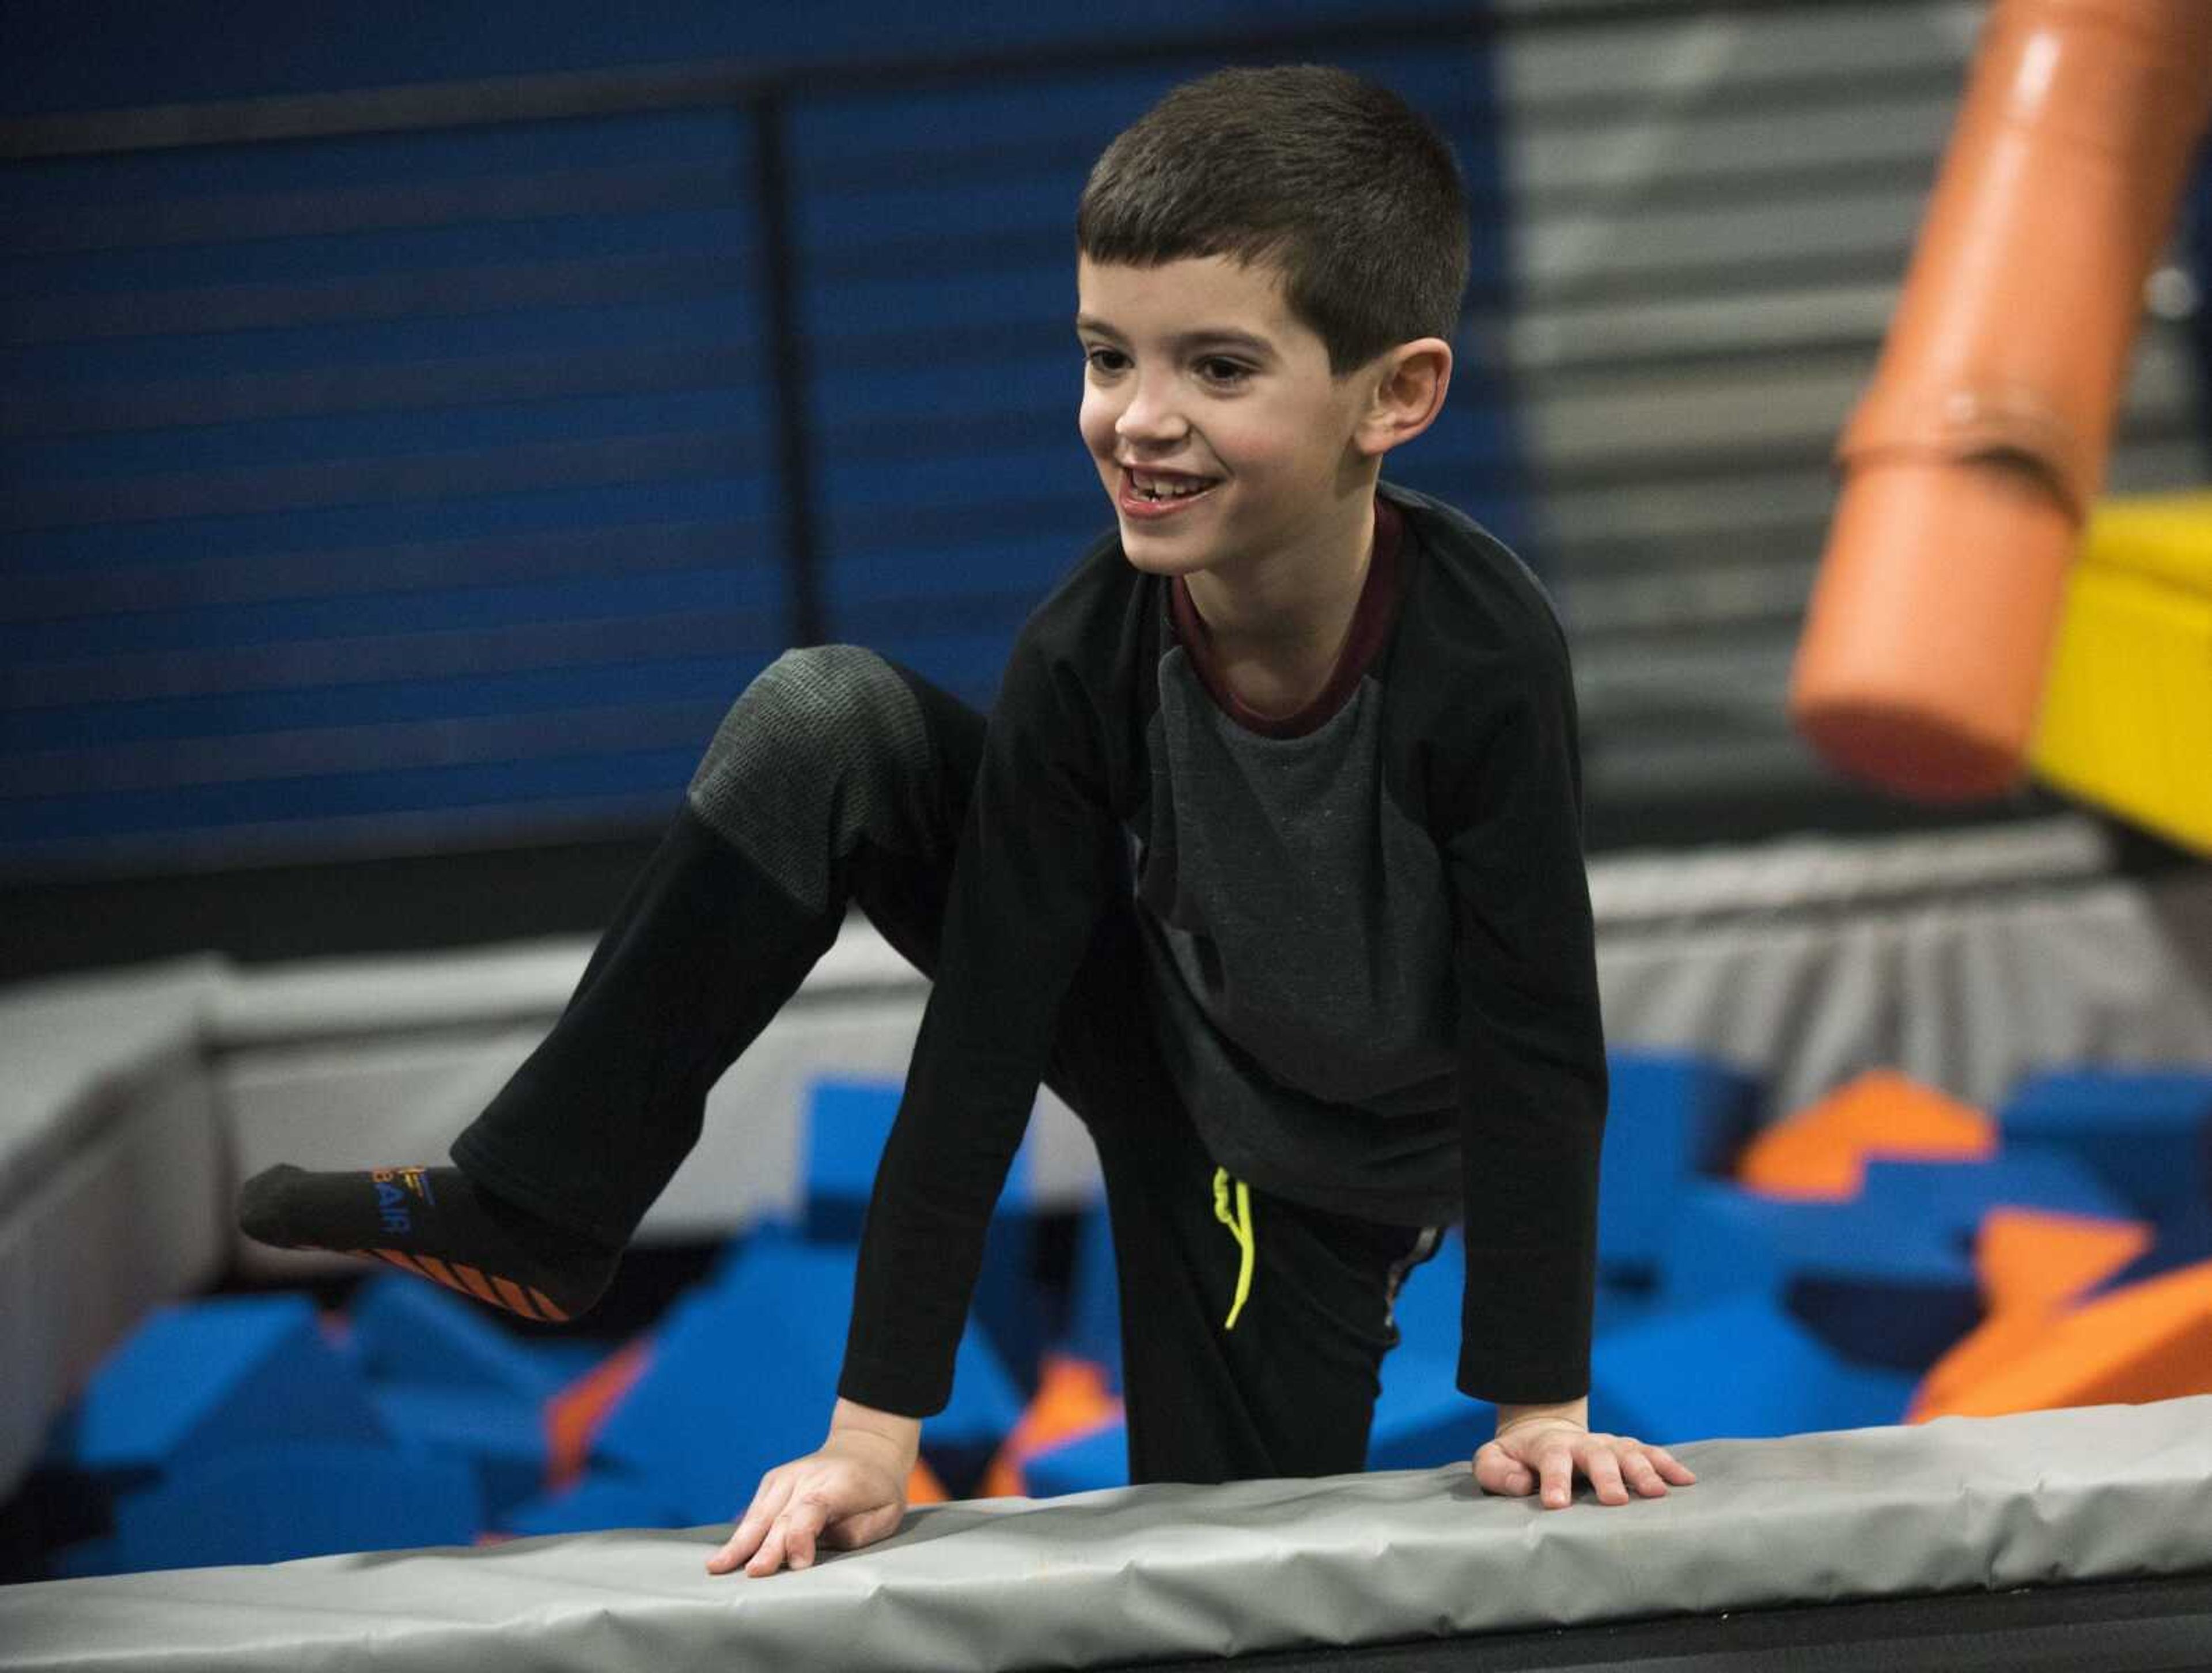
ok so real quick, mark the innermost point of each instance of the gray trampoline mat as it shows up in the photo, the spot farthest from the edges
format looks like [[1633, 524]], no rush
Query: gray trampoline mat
[[1094, 1580]]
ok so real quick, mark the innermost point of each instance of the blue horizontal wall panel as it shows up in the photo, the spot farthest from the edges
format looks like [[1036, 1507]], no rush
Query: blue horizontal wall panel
[[1031, 386], [1028, 305], [713, 231], [191, 582], [188, 806], [546, 691], [351, 532], [593, 642], [451, 474], [352, 443], [968, 666], [989, 567], [641, 302], [322, 165], [972, 484], [1060, 509], [170, 404], [635, 275], [990, 119], [514, 823], [592, 599], [299, 752], [285, 419], [950, 209], [186, 50]]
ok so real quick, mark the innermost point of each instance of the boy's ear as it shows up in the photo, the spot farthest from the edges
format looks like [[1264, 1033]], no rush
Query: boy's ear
[[1409, 384]]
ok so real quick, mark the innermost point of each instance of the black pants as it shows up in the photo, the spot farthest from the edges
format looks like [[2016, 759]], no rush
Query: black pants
[[840, 779]]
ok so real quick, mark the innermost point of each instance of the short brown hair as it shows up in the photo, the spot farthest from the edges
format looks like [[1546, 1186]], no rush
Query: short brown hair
[[1333, 180]]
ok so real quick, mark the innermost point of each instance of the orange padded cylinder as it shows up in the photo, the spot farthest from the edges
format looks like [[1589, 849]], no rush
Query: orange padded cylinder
[[1971, 460]]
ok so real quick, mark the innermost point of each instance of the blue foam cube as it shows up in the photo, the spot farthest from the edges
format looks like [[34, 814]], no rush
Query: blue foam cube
[[299, 1499], [1883, 1286], [601, 1499], [196, 1379], [1672, 1117], [744, 1378], [405, 1330], [1421, 1418], [1081, 1464], [501, 1435], [2183, 1240], [847, 1122], [2146, 1133], [1094, 1309], [1740, 1367], [1427, 1311], [1951, 1199]]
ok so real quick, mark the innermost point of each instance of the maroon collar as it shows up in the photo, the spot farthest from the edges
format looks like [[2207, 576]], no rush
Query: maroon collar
[[1370, 626]]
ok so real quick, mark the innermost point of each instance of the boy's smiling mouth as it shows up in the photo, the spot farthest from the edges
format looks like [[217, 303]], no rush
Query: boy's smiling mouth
[[1156, 493]]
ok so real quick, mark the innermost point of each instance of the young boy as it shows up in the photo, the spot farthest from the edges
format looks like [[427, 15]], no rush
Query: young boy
[[1269, 861]]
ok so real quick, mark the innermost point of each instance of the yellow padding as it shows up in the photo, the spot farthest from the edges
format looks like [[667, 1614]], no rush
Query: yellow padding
[[1240, 1227], [2160, 537], [2127, 710]]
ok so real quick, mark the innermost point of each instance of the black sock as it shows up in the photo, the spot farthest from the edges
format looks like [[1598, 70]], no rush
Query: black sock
[[433, 1223]]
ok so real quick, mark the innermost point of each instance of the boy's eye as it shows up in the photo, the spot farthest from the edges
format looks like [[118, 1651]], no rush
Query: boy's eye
[[1098, 359], [1223, 371]]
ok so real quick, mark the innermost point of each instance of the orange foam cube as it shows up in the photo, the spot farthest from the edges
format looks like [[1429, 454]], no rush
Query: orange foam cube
[[2151, 1341], [575, 1413], [1072, 1399], [1820, 1153], [2033, 1259], [922, 1487]]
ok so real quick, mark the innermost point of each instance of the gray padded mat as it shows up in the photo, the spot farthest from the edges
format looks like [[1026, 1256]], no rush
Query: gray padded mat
[[2109, 1492]]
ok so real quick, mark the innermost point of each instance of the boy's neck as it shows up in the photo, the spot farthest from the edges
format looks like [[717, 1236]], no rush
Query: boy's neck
[[1277, 627]]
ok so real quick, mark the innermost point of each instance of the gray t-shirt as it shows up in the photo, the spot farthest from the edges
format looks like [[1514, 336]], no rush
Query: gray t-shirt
[[1297, 923]]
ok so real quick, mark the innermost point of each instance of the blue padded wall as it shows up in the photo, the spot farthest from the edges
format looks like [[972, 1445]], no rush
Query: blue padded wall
[[379, 493], [393, 493]]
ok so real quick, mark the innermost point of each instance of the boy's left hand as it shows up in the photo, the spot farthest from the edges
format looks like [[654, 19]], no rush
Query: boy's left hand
[[1553, 1452]]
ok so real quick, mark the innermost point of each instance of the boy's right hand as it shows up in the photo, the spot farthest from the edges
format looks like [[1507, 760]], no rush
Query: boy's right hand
[[851, 1493]]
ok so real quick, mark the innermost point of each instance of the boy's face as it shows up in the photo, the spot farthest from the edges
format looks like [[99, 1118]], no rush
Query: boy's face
[[1197, 366]]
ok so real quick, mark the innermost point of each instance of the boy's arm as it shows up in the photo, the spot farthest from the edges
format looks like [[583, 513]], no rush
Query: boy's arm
[[1531, 1045], [1531, 1099], [1037, 858]]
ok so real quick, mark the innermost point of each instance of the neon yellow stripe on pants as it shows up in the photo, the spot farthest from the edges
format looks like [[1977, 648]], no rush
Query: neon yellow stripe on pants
[[1240, 1227]]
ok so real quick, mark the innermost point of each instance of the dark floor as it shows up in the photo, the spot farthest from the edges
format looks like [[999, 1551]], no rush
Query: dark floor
[[2116, 1626]]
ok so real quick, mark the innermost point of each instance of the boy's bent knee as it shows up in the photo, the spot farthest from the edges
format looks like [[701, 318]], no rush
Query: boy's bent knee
[[827, 746]]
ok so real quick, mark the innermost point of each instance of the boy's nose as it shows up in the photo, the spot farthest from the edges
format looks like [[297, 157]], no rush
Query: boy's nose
[[1148, 417]]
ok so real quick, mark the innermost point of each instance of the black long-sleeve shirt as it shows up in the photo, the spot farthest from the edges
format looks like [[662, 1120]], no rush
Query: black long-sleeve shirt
[[1369, 926]]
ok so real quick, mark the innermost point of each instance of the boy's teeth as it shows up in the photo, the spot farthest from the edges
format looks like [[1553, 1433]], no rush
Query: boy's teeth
[[1157, 488]]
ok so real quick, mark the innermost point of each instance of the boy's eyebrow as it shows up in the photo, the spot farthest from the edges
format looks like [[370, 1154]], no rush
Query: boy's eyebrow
[[1084, 322]]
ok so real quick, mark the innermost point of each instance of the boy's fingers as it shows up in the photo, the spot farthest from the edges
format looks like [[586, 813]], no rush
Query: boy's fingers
[[726, 1558], [1496, 1470], [769, 1557], [802, 1522], [1638, 1468], [744, 1539], [1671, 1467], [1558, 1471], [1603, 1470]]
